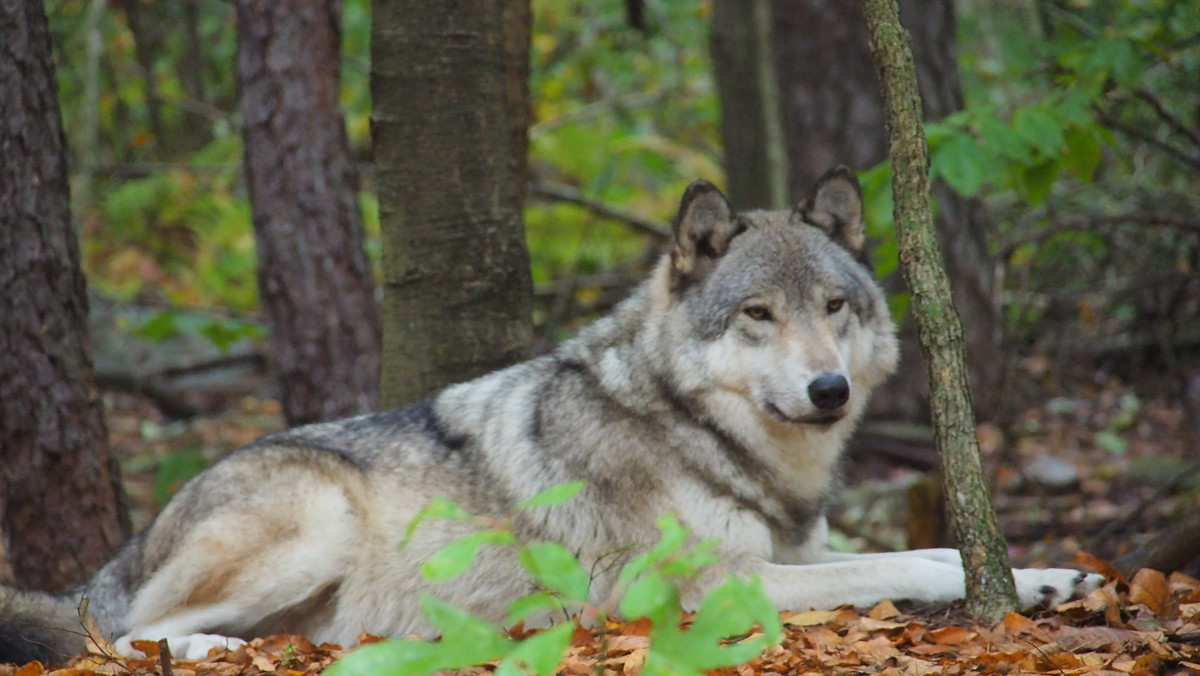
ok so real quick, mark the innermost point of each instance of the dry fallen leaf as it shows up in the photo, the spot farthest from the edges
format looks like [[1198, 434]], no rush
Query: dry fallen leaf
[[1149, 588]]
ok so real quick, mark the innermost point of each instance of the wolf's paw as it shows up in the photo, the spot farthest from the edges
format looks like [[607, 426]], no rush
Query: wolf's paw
[[1048, 587], [190, 647]]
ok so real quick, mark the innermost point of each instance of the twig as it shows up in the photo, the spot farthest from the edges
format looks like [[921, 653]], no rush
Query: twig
[[164, 657], [1168, 117], [1179, 155], [559, 192], [256, 359]]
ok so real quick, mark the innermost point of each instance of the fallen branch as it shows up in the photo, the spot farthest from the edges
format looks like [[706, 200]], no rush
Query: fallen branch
[[1117, 525], [167, 399], [1170, 551]]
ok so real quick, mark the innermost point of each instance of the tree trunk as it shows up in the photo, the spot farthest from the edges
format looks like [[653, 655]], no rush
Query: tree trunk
[[990, 590], [62, 510], [457, 294], [314, 279], [833, 115], [756, 163]]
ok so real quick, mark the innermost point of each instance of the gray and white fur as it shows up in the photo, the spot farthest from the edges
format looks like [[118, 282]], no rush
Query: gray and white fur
[[723, 390]]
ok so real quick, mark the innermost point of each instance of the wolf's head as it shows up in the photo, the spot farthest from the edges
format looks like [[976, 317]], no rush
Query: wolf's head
[[777, 311]]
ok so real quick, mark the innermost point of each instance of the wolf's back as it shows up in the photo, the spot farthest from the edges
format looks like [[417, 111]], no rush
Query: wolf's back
[[38, 626]]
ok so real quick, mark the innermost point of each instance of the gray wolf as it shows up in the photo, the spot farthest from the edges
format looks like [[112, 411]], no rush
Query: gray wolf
[[723, 390]]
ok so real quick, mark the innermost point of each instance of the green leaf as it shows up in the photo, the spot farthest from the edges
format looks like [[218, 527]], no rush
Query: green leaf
[[550, 497], [1111, 442], [1038, 180], [158, 328], [176, 469], [898, 305], [540, 653], [405, 657], [1041, 129], [455, 558], [673, 537], [538, 603], [556, 567], [650, 596], [1083, 153], [1119, 59], [471, 639], [438, 508], [224, 334], [1002, 140], [735, 607], [962, 163]]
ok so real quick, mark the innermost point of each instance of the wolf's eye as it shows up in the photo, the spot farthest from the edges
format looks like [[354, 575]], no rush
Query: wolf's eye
[[758, 313], [834, 305]]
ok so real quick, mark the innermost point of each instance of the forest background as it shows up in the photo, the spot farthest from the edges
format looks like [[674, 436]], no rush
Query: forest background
[[1068, 146]]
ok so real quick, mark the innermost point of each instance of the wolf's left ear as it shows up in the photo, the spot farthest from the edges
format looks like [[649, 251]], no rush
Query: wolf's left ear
[[701, 233], [836, 206]]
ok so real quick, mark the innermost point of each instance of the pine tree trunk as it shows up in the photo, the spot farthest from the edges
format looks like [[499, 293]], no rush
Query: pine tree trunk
[[315, 282], [62, 510], [457, 292], [990, 590], [833, 114]]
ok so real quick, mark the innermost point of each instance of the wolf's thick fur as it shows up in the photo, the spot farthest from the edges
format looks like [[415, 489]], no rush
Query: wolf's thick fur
[[723, 390]]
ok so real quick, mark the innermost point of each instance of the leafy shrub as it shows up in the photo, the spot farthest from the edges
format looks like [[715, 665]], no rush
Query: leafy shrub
[[734, 608]]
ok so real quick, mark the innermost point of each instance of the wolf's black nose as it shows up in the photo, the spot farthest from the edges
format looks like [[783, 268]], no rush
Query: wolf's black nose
[[828, 391]]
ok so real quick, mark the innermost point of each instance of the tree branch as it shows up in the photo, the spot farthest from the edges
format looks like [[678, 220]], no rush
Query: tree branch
[[560, 192]]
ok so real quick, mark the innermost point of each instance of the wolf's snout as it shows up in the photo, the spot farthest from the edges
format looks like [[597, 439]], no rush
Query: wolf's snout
[[829, 391]]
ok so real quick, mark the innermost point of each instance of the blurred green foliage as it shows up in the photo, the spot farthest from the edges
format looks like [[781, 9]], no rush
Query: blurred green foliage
[[1071, 105]]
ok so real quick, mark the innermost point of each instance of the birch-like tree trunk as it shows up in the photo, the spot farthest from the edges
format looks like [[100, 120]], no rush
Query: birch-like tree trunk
[[990, 589]]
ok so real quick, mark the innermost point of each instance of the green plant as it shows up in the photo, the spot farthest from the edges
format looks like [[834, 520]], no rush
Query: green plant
[[648, 588]]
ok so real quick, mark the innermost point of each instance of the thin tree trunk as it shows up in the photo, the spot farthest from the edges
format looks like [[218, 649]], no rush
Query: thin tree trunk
[[314, 279], [62, 510], [457, 292], [990, 589], [89, 139], [752, 134], [833, 114], [145, 37]]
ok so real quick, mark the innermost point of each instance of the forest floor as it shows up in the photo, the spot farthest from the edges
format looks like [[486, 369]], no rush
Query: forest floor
[[1079, 480]]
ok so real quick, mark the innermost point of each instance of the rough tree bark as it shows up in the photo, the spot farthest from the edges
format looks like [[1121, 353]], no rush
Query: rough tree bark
[[990, 589], [457, 292], [833, 114], [751, 114], [63, 510], [314, 279]]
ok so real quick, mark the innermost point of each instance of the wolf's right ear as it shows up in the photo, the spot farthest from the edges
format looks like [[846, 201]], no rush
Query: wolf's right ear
[[701, 233], [835, 205]]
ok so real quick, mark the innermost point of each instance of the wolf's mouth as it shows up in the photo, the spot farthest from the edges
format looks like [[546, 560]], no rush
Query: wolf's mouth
[[819, 420]]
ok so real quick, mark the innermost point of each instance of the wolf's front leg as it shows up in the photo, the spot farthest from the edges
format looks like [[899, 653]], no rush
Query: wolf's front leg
[[867, 580]]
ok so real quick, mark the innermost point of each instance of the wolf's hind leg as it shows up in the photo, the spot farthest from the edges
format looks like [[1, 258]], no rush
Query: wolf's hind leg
[[242, 571]]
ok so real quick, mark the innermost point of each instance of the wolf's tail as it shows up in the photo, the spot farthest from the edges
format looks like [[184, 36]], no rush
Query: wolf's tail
[[38, 626]]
